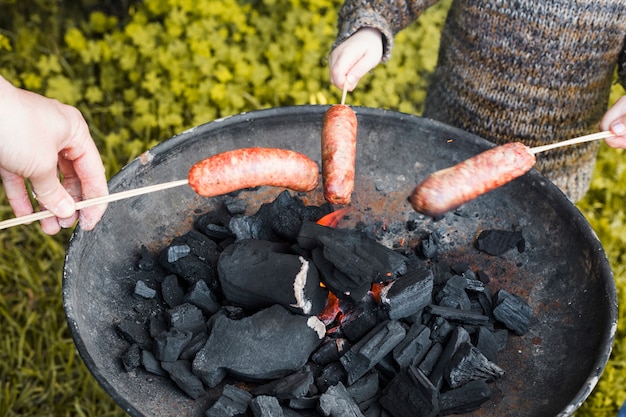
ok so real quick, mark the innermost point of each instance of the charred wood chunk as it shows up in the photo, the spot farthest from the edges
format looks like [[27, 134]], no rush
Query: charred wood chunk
[[152, 364], [360, 319], [430, 360], [365, 389], [497, 242], [513, 311], [266, 406], [332, 374], [135, 331], [453, 294], [459, 316], [303, 403], [336, 402], [430, 245], [171, 291], [186, 317], [486, 344], [330, 350], [464, 399], [469, 364], [156, 325], [131, 358], [180, 372], [143, 290], [269, 344], [372, 348], [411, 394], [459, 337], [440, 329], [197, 342], [233, 402], [192, 257], [408, 294], [169, 345], [202, 297], [213, 226], [413, 348], [296, 385], [257, 274], [287, 214]]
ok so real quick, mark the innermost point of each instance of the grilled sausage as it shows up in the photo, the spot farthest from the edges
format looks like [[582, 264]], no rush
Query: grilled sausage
[[251, 167], [449, 188], [339, 153]]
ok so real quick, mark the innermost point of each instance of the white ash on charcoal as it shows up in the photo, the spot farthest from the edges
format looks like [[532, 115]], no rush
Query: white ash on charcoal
[[247, 301]]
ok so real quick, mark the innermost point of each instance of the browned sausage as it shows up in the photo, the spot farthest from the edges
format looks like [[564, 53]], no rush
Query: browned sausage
[[251, 167], [449, 188], [339, 153]]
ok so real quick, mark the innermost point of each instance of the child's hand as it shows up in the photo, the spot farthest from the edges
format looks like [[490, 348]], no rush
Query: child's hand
[[615, 121], [353, 58]]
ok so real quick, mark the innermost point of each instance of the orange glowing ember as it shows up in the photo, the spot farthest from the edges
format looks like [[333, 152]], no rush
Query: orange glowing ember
[[331, 311], [332, 219], [377, 289]]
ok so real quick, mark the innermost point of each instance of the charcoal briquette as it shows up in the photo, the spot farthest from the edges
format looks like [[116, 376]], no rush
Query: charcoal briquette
[[233, 402], [410, 394], [180, 372], [186, 317], [513, 311], [131, 358], [171, 291], [169, 345], [266, 406], [336, 402], [151, 363], [143, 290], [469, 364], [497, 242], [464, 399]]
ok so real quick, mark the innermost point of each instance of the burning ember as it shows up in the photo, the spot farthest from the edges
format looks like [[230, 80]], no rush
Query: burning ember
[[282, 313]]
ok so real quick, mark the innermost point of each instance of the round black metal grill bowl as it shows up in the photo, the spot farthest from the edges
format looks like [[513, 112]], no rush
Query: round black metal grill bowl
[[563, 273]]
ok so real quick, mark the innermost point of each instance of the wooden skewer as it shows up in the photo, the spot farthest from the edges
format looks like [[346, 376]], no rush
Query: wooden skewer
[[94, 202], [581, 139], [345, 91]]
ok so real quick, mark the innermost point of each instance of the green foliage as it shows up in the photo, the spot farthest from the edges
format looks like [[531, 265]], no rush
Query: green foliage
[[157, 67]]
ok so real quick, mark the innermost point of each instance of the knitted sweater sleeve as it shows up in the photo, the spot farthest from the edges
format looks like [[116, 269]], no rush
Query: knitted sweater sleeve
[[621, 67], [389, 17]]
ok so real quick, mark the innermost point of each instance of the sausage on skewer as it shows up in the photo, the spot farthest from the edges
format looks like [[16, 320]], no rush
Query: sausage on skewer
[[339, 153], [449, 188], [251, 167]]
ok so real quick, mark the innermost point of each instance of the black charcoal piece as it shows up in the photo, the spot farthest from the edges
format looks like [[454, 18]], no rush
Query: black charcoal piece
[[173, 294], [202, 297], [464, 399], [410, 394], [408, 294], [169, 345], [257, 274], [365, 388], [372, 348], [192, 257], [430, 360], [186, 317], [413, 348], [357, 321], [146, 262], [486, 302], [469, 364], [501, 336], [135, 331], [269, 344], [330, 350], [336, 402], [286, 215], [235, 205], [458, 337], [497, 242], [197, 342], [241, 226], [486, 344], [331, 374], [453, 294], [180, 373], [430, 245], [375, 410], [156, 325], [151, 364], [440, 329], [266, 406], [513, 311], [304, 403], [456, 315], [212, 225], [143, 290], [296, 385], [233, 402], [131, 358]]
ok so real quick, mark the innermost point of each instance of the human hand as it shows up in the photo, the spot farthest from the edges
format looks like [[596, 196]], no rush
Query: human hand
[[353, 58], [40, 140], [614, 120]]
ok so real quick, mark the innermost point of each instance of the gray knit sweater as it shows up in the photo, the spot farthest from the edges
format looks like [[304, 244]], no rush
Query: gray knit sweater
[[535, 71]]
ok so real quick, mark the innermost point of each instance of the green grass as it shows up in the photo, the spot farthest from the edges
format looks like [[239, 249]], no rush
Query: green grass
[[41, 373]]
